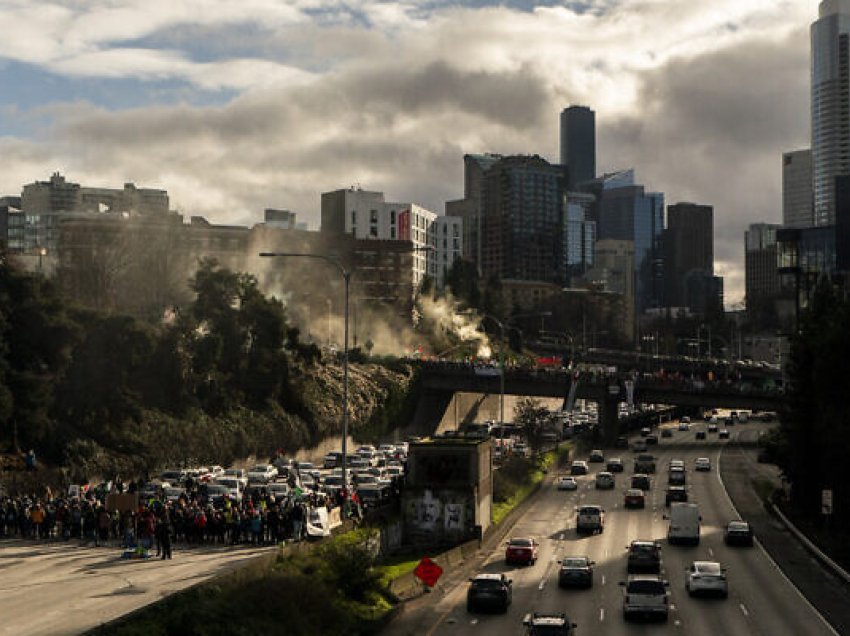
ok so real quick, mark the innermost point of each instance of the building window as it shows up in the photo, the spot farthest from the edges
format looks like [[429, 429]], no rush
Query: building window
[[373, 216], [392, 217], [392, 233], [353, 218]]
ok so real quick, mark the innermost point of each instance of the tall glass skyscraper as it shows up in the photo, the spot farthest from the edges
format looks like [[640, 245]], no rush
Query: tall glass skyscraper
[[830, 104], [578, 144]]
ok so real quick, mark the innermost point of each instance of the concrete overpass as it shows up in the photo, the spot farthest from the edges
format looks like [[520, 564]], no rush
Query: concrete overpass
[[441, 380]]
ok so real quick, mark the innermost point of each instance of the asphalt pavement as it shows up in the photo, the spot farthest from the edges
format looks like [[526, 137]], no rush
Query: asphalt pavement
[[761, 599]]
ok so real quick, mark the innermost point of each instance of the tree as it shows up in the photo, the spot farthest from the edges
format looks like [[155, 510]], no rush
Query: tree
[[816, 423], [532, 417]]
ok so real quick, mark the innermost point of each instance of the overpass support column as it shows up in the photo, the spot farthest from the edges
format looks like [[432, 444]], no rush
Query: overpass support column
[[609, 418]]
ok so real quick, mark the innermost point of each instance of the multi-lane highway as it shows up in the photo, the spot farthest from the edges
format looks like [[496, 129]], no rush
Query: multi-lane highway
[[760, 601]]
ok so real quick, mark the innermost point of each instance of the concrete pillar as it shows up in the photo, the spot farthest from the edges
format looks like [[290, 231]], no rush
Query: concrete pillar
[[609, 419]]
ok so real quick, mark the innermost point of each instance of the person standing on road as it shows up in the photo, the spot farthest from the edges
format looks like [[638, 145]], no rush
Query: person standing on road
[[297, 521], [163, 535]]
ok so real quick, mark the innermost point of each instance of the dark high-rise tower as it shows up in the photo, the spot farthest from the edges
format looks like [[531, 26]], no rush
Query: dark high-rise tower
[[578, 144], [688, 250]]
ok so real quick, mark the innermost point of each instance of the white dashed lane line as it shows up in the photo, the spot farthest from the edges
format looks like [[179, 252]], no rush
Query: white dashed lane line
[[601, 613], [744, 610]]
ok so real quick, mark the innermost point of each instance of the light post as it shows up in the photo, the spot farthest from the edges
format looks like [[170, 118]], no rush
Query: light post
[[346, 277], [501, 325]]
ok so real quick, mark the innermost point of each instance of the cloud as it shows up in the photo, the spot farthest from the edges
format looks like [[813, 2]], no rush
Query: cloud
[[700, 97]]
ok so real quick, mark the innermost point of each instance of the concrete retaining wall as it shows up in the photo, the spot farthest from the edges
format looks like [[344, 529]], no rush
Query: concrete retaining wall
[[408, 586]]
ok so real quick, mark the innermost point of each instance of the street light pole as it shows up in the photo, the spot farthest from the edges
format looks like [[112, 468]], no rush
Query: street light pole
[[346, 277]]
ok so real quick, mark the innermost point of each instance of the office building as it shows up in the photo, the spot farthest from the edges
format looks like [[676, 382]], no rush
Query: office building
[[688, 243], [522, 220], [614, 271], [830, 104], [797, 188], [468, 209], [578, 144], [579, 234], [626, 212], [761, 277], [367, 216]]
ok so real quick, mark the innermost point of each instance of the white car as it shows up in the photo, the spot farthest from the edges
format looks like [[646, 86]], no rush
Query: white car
[[706, 577], [684, 426], [236, 473], [262, 473], [605, 480], [565, 482], [702, 464]]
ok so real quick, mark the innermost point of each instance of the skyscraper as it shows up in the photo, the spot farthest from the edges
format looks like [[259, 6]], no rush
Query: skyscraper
[[830, 37], [578, 144], [797, 188], [688, 251]]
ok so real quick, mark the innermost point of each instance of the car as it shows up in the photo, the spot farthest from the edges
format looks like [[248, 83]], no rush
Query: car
[[615, 465], [521, 550], [712, 428], [644, 464], [643, 556], [684, 420], [639, 446], [548, 624], [645, 597], [706, 578], [590, 518], [634, 498], [576, 571], [578, 467], [236, 473], [738, 533], [675, 493], [605, 480], [667, 432], [723, 434], [645, 431], [262, 473], [621, 442], [730, 421], [651, 440], [489, 591], [641, 481], [676, 464], [676, 477], [684, 426], [565, 482], [702, 464], [700, 435], [596, 457]]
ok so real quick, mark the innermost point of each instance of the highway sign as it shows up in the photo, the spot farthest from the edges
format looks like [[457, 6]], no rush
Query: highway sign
[[428, 572]]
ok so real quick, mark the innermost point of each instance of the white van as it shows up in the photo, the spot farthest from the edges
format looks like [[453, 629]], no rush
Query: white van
[[590, 519], [684, 523]]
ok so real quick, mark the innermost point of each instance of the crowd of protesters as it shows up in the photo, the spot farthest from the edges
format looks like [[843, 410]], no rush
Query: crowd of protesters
[[261, 518]]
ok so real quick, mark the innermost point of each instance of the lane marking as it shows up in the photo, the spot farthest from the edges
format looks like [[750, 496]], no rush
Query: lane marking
[[744, 609], [603, 579], [710, 552], [601, 613], [542, 584]]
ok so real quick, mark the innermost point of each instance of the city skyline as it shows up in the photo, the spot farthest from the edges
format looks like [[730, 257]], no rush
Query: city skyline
[[236, 108]]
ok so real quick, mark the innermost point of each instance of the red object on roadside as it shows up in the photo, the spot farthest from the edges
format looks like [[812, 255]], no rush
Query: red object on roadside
[[428, 572]]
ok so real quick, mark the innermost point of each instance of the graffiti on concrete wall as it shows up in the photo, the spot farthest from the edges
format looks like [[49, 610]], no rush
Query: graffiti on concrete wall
[[434, 511]]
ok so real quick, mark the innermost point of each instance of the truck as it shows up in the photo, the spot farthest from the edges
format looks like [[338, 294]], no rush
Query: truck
[[684, 527]]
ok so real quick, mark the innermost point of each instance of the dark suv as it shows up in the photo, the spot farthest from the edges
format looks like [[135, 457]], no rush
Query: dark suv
[[489, 591], [548, 624], [644, 556]]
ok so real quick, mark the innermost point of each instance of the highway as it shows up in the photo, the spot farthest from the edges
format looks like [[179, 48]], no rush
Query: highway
[[761, 600]]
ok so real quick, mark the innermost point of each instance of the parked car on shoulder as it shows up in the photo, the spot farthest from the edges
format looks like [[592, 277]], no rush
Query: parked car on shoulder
[[262, 473]]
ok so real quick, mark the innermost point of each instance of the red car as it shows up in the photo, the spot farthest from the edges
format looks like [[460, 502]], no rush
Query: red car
[[521, 550]]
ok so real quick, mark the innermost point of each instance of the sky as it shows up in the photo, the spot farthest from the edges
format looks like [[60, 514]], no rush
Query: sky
[[234, 107]]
